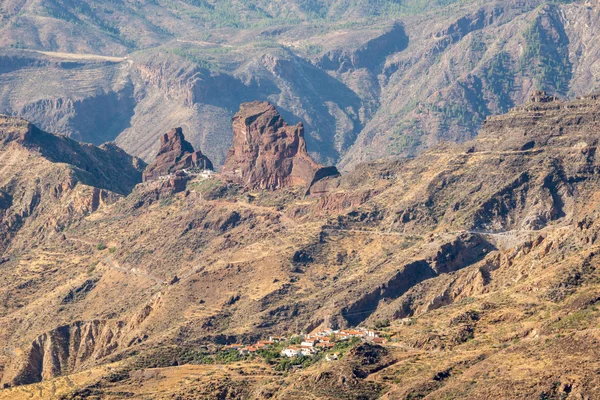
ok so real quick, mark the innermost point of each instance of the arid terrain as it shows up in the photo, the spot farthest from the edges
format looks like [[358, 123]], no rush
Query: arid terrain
[[368, 79], [299, 199], [476, 262]]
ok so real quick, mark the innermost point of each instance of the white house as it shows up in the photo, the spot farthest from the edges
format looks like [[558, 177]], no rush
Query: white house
[[308, 351], [309, 342], [291, 352]]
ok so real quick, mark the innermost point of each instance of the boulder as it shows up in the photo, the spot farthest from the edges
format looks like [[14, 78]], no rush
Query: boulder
[[175, 154], [267, 153]]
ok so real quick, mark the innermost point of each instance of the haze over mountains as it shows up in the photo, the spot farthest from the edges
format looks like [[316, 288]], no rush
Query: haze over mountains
[[462, 232], [477, 262], [367, 79]]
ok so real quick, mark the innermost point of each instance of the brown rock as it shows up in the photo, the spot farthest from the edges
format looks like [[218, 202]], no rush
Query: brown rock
[[540, 96], [175, 154], [268, 153]]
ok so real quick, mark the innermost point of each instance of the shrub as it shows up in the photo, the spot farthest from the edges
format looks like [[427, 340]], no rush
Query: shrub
[[91, 268], [384, 323]]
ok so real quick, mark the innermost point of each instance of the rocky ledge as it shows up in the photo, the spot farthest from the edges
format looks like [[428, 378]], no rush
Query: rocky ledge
[[175, 154], [267, 153]]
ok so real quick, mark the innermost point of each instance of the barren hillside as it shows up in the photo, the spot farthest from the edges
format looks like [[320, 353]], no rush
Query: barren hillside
[[368, 79], [475, 262]]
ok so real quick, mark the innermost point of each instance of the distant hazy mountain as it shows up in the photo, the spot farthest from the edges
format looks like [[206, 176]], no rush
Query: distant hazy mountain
[[368, 79]]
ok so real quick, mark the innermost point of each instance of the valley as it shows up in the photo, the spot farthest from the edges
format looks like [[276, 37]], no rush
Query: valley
[[475, 264], [367, 80]]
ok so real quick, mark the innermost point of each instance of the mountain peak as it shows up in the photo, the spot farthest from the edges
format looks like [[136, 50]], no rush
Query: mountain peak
[[268, 153], [105, 167], [175, 154]]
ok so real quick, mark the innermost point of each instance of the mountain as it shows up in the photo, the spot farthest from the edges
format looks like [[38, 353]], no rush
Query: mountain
[[267, 153], [367, 79], [48, 181], [476, 261]]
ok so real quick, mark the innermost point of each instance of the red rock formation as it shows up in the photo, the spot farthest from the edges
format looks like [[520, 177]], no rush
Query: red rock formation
[[175, 154], [268, 153]]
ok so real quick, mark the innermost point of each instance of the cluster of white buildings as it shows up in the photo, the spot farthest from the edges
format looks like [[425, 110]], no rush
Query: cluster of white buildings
[[326, 339], [312, 343]]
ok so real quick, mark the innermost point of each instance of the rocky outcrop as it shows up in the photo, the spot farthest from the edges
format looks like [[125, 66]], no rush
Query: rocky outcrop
[[105, 167], [268, 153], [175, 154], [69, 347], [52, 181], [449, 257]]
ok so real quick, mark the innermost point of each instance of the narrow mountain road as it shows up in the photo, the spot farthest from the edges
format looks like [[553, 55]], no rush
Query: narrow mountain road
[[203, 44], [380, 233], [82, 241], [81, 56], [513, 152], [502, 234]]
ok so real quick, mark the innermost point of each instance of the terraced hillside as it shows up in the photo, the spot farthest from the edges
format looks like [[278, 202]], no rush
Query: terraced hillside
[[477, 262], [368, 79]]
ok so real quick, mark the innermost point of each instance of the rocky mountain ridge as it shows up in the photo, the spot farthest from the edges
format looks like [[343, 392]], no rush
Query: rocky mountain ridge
[[175, 154], [395, 83], [49, 181], [471, 258], [267, 153]]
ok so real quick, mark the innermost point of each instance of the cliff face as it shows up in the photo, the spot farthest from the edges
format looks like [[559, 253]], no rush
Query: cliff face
[[50, 181], [71, 347], [489, 248], [175, 154], [268, 153], [389, 86]]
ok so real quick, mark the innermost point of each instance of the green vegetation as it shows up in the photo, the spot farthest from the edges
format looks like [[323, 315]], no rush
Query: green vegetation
[[382, 324], [166, 202], [345, 345], [286, 364], [80, 13], [312, 49], [195, 56], [100, 246], [580, 319], [460, 114], [406, 136], [228, 357], [179, 355], [501, 79], [171, 356], [546, 55], [108, 15], [91, 268]]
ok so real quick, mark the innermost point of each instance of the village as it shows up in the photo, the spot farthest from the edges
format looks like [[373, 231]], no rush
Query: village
[[312, 344]]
